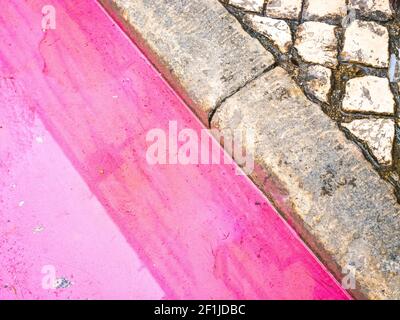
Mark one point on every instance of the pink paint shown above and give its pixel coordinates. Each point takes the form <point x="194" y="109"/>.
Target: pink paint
<point x="49" y="217"/>
<point x="200" y="232"/>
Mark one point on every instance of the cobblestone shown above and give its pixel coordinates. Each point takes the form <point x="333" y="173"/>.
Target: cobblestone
<point x="369" y="94"/>
<point x="283" y="9"/>
<point x="378" y="134"/>
<point x="318" y="82"/>
<point x="316" y="42"/>
<point x="345" y="54"/>
<point x="367" y="43"/>
<point x="378" y="9"/>
<point x="317" y="9"/>
<point x="248" y="5"/>
<point x="278" y="31"/>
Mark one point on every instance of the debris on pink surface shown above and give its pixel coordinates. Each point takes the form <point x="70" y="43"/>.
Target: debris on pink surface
<point x="79" y="201"/>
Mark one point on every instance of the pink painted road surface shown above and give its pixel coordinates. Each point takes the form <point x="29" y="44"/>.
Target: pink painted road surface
<point x="80" y="207"/>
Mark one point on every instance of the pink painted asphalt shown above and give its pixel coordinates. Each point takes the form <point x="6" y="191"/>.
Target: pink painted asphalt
<point x="77" y="195"/>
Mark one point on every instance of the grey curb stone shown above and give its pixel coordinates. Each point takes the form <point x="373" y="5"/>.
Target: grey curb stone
<point x="319" y="181"/>
<point x="198" y="46"/>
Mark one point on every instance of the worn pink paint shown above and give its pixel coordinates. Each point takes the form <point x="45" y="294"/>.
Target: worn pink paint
<point x="200" y="230"/>
<point x="48" y="217"/>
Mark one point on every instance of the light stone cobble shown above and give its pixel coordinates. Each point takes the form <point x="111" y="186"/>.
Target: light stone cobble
<point x="318" y="82"/>
<point x="248" y="5"/>
<point x="367" y="43"/>
<point x="372" y="8"/>
<point x="317" y="9"/>
<point x="378" y="134"/>
<point x="278" y="31"/>
<point x="316" y="42"/>
<point x="283" y="9"/>
<point x="369" y="94"/>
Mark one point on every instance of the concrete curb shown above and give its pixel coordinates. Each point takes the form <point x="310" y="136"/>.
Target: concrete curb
<point x="200" y="48"/>
<point x="318" y="180"/>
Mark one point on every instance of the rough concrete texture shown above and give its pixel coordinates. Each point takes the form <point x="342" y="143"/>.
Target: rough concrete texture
<point x="319" y="181"/>
<point x="201" y="49"/>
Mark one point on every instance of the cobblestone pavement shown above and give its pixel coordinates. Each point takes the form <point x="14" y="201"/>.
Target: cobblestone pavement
<point x="345" y="55"/>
